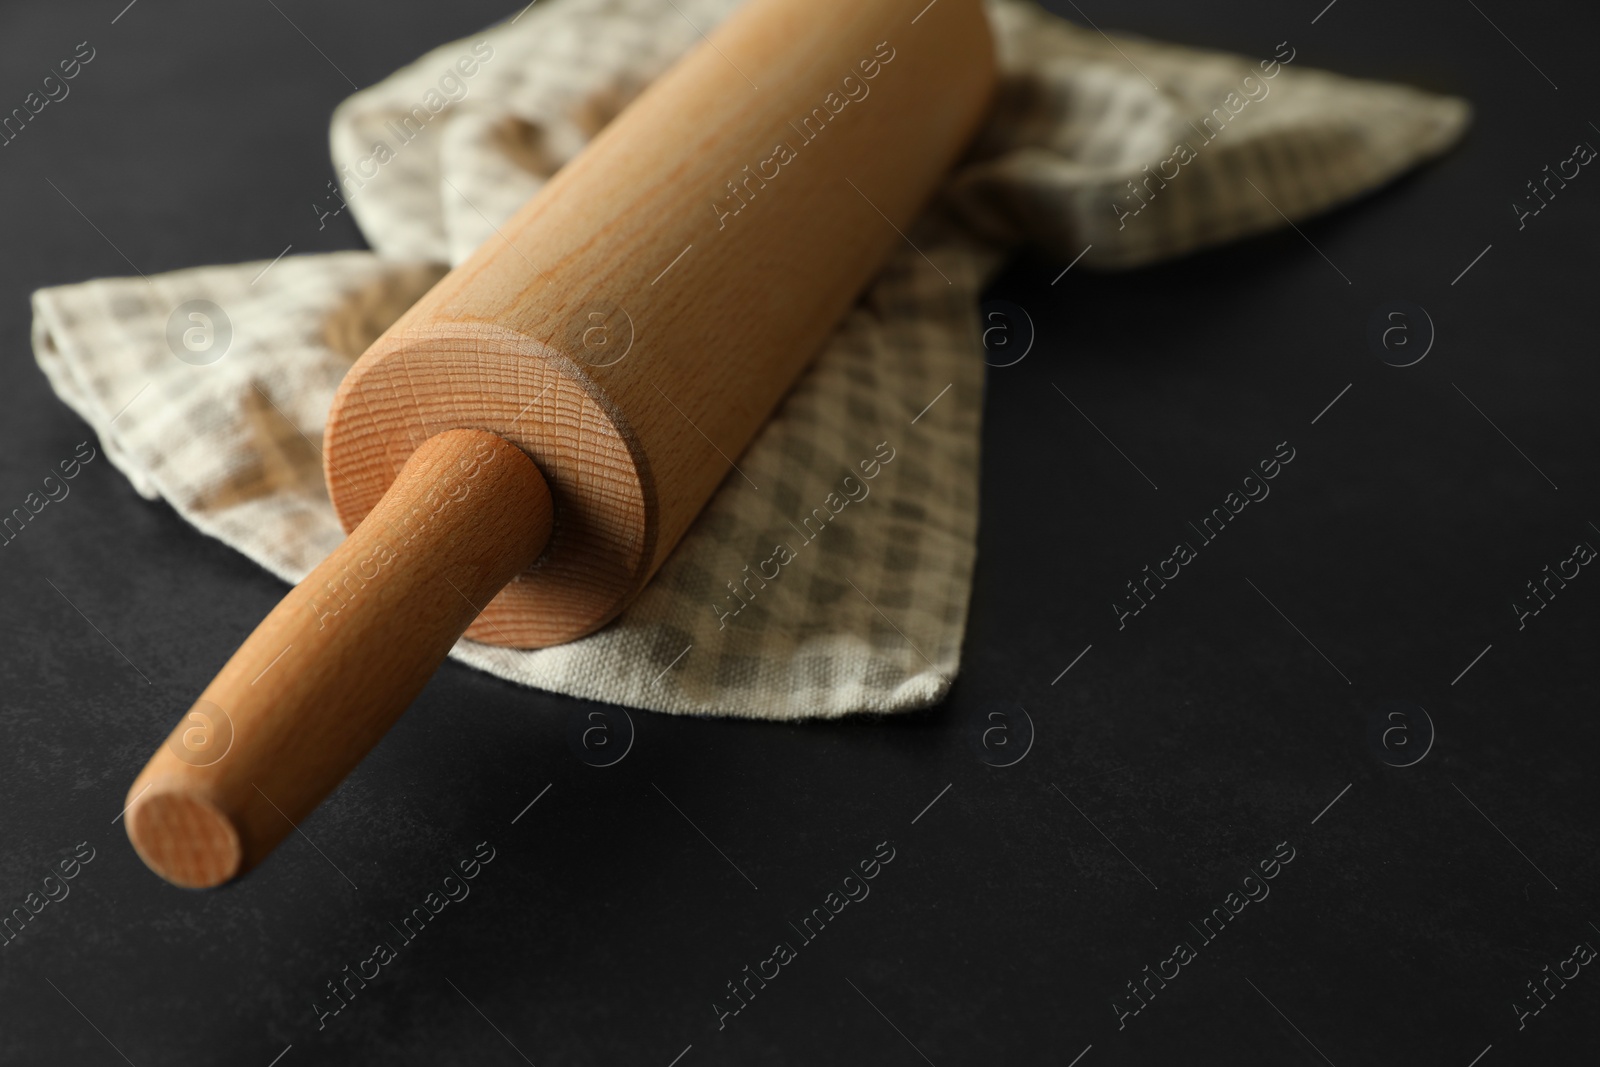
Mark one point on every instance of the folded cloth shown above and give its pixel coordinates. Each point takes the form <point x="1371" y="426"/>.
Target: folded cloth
<point x="209" y="387"/>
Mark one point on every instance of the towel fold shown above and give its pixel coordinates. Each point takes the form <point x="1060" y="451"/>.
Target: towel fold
<point x="209" y="387"/>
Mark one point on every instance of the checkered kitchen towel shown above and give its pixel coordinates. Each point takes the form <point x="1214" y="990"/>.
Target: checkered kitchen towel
<point x="1139" y="150"/>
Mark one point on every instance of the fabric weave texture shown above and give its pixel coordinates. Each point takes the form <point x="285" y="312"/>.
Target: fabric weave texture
<point x="1105" y="151"/>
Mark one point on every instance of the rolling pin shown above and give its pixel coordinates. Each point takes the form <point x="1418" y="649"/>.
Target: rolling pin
<point x="518" y="453"/>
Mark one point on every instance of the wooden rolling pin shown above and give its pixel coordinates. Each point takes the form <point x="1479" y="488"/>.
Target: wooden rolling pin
<point x="515" y="457"/>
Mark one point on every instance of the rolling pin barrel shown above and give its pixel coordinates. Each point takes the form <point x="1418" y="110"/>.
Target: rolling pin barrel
<point x="603" y="353"/>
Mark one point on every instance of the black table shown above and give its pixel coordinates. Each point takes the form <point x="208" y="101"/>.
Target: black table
<point x="1251" y="719"/>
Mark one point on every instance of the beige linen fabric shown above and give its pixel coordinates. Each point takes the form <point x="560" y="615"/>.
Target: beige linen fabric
<point x="868" y="607"/>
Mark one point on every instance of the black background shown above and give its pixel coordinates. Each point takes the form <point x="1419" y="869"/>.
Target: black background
<point x="1196" y="739"/>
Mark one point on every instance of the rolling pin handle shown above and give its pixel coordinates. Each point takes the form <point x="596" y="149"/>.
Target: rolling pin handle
<point x="331" y="668"/>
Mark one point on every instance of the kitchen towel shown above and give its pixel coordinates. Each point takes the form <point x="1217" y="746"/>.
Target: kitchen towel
<point x="209" y="387"/>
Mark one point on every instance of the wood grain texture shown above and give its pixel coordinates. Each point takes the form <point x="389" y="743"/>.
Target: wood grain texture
<point x="330" y="669"/>
<point x="715" y="233"/>
<point x="723" y="307"/>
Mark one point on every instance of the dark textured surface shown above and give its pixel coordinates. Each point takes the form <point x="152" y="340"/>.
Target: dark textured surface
<point x="1196" y="739"/>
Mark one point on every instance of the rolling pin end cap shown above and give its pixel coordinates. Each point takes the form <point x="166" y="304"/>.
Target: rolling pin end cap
<point x="184" y="839"/>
